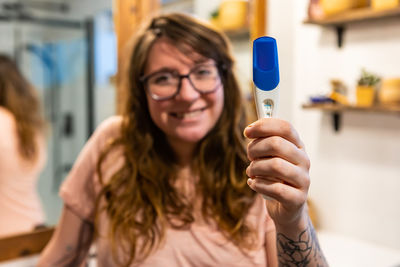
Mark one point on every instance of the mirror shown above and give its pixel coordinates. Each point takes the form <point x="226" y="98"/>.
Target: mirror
<point x="67" y="51"/>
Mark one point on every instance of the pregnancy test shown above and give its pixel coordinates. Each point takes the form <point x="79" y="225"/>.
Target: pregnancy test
<point x="266" y="76"/>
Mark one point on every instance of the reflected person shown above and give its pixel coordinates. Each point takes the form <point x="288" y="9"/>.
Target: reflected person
<point x="22" y="151"/>
<point x="166" y="183"/>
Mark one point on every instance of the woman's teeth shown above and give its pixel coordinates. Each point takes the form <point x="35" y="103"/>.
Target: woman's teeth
<point x="187" y="115"/>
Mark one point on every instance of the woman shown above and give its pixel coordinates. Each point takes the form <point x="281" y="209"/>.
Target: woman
<point x="22" y="151"/>
<point x="165" y="183"/>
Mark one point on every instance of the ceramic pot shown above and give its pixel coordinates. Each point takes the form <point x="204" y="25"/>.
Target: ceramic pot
<point x="365" y="95"/>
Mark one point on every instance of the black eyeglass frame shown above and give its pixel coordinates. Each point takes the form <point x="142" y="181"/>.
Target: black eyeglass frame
<point x="144" y="80"/>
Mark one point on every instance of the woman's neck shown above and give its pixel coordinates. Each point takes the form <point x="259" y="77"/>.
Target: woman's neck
<point x="183" y="151"/>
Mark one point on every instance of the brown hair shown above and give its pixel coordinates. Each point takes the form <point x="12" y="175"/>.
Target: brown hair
<point x="140" y="199"/>
<point x="19" y="97"/>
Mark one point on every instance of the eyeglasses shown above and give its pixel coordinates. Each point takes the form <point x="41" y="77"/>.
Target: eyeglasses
<point x="166" y="84"/>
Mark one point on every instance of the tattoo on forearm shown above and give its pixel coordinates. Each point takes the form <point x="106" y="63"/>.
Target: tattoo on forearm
<point x="302" y="252"/>
<point x="74" y="255"/>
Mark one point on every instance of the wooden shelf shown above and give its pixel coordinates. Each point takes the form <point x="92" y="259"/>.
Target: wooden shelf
<point x="340" y="20"/>
<point x="24" y="244"/>
<point x="337" y="110"/>
<point x="356" y="15"/>
<point x="343" y="108"/>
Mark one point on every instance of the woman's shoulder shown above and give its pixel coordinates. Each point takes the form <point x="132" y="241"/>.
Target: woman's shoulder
<point x="107" y="131"/>
<point x="8" y="123"/>
<point x="110" y="127"/>
<point x="6" y="117"/>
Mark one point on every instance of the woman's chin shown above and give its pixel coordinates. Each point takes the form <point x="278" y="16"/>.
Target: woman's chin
<point x="192" y="137"/>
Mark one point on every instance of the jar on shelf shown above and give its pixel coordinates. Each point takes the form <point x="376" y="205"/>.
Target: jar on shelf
<point x="389" y="93"/>
<point x="233" y="14"/>
<point x="384" y="4"/>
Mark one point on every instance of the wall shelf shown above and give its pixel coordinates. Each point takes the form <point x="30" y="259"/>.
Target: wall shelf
<point x="340" y="20"/>
<point x="337" y="110"/>
<point x="342" y="108"/>
<point x="239" y="34"/>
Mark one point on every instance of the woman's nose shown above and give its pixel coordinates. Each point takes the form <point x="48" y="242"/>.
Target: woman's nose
<point x="187" y="91"/>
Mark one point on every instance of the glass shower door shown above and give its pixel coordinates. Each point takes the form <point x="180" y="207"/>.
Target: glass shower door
<point x="55" y="61"/>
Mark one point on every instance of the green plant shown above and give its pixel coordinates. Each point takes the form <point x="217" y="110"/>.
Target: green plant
<point x="368" y="79"/>
<point x="214" y="14"/>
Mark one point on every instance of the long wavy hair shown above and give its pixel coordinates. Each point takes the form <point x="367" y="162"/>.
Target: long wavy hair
<point x="19" y="97"/>
<point x="140" y="199"/>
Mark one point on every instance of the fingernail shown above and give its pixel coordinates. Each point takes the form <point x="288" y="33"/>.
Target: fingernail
<point x="249" y="181"/>
<point x="251" y="125"/>
<point x="246" y="129"/>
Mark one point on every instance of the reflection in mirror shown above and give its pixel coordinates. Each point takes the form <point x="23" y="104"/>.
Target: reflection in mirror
<point x="22" y="151"/>
<point x="66" y="49"/>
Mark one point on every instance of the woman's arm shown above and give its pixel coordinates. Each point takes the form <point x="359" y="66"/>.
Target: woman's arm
<point x="279" y="169"/>
<point x="69" y="243"/>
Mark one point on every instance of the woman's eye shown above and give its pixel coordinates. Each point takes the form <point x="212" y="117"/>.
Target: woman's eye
<point x="161" y="79"/>
<point x="203" y="72"/>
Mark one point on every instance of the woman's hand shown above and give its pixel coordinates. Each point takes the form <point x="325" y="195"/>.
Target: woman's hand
<point x="279" y="170"/>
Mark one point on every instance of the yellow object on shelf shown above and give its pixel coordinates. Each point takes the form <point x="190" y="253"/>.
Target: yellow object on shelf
<point x="339" y="98"/>
<point x="384" y="4"/>
<point x="390" y="92"/>
<point x="365" y="95"/>
<point x="233" y="14"/>
<point x="332" y="7"/>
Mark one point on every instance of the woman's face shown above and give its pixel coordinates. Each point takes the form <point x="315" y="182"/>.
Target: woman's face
<point x="189" y="115"/>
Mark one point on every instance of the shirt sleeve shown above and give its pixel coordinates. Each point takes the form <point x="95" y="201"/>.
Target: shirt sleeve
<point x="81" y="187"/>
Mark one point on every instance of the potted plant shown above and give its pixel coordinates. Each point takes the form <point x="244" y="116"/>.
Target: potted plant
<point x="366" y="88"/>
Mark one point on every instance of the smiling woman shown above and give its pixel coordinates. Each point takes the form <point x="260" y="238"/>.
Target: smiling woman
<point x="165" y="182"/>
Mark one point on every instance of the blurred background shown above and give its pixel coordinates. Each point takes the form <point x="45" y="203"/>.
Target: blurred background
<point x="340" y="87"/>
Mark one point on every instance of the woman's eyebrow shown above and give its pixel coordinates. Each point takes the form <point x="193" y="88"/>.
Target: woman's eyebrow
<point x="164" y="69"/>
<point x="204" y="61"/>
<point x="174" y="70"/>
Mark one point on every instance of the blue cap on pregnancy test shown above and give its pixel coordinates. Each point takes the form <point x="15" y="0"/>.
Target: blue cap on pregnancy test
<point x="265" y="63"/>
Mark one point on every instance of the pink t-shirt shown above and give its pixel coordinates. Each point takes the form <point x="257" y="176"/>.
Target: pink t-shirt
<point x="200" y="245"/>
<point x="20" y="207"/>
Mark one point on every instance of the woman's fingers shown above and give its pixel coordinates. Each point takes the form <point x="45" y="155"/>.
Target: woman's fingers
<point x="280" y="169"/>
<point x="273" y="127"/>
<point x="276" y="146"/>
<point x="287" y="195"/>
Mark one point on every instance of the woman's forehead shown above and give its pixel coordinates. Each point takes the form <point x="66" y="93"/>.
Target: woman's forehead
<point x="166" y="51"/>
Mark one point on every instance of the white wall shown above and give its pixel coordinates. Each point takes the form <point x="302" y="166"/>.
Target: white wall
<point x="356" y="171"/>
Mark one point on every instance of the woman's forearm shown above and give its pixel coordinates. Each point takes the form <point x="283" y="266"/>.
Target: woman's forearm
<point x="299" y="247"/>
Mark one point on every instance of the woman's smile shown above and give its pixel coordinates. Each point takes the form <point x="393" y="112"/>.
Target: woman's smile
<point x="191" y="114"/>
